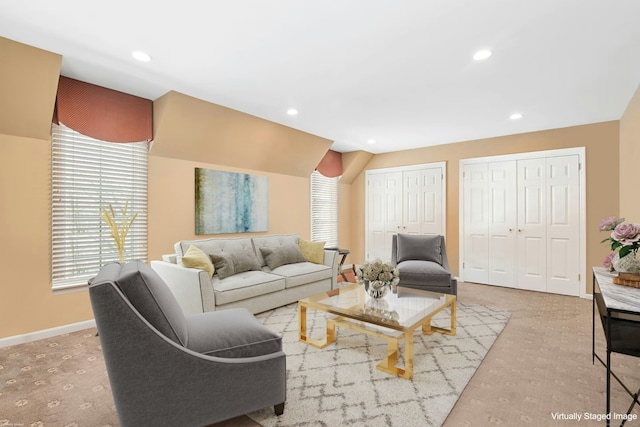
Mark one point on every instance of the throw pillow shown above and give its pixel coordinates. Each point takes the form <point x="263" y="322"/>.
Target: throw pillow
<point x="419" y="247"/>
<point x="281" y="255"/>
<point x="195" y="258"/>
<point x="312" y="251"/>
<point x="245" y="261"/>
<point x="233" y="263"/>
<point x="223" y="265"/>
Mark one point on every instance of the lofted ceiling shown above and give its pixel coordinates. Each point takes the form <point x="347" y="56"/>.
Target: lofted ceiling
<point x="400" y="73"/>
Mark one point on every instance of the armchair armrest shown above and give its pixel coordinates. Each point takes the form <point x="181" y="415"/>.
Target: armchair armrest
<point x="186" y="284"/>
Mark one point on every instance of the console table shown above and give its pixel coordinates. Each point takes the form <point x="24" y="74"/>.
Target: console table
<point x="619" y="311"/>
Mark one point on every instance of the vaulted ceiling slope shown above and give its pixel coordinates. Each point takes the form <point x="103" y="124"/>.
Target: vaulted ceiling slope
<point x="400" y="73"/>
<point x="28" y="84"/>
<point x="188" y="128"/>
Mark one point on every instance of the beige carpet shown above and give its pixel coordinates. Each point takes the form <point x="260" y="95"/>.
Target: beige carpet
<point x="540" y="365"/>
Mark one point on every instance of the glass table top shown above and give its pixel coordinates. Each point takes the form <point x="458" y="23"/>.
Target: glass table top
<point x="400" y="311"/>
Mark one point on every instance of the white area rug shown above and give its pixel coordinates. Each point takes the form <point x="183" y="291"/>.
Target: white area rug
<point x="339" y="385"/>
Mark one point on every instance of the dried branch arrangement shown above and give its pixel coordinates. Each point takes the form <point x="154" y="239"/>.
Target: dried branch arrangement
<point x="119" y="230"/>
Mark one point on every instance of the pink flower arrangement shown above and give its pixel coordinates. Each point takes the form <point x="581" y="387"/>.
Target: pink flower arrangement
<point x="624" y="238"/>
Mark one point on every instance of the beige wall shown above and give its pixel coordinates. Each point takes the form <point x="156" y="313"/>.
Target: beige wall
<point x="629" y="159"/>
<point x="27" y="302"/>
<point x="600" y="140"/>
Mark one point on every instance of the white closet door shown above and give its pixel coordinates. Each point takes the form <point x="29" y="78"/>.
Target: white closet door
<point x="476" y="223"/>
<point x="403" y="200"/>
<point x="502" y="223"/>
<point x="432" y="221"/>
<point x="376" y="216"/>
<point x="393" y="208"/>
<point x="413" y="200"/>
<point x="532" y="239"/>
<point x="563" y="220"/>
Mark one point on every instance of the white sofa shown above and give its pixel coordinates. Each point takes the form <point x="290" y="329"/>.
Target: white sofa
<point x="257" y="291"/>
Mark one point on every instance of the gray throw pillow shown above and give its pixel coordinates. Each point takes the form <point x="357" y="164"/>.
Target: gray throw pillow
<point x="233" y="263"/>
<point x="222" y="265"/>
<point x="419" y="247"/>
<point x="281" y="255"/>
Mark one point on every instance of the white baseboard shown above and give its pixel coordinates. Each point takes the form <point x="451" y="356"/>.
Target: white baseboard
<point x="46" y="333"/>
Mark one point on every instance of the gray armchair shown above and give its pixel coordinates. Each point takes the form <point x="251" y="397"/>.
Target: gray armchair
<point x="168" y="369"/>
<point x="422" y="262"/>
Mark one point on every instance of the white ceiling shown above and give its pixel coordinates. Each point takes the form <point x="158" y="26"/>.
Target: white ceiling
<point x="400" y="72"/>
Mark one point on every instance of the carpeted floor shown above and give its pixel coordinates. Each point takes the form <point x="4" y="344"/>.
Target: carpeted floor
<point x="539" y="366"/>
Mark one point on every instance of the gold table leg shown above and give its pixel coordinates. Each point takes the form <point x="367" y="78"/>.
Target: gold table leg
<point x="388" y="364"/>
<point x="427" y="329"/>
<point x="302" y="328"/>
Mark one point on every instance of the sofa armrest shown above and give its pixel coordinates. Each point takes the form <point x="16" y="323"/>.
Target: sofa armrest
<point x="185" y="283"/>
<point x="170" y="258"/>
<point x="331" y="259"/>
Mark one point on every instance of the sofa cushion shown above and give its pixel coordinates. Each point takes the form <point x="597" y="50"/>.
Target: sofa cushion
<point x="245" y="285"/>
<point x="195" y="258"/>
<point x="419" y="247"/>
<point x="148" y="294"/>
<point x="231" y="333"/>
<point x="417" y="272"/>
<point x="313" y="251"/>
<point x="275" y="257"/>
<point x="232" y="263"/>
<point x="272" y="241"/>
<point x="302" y="273"/>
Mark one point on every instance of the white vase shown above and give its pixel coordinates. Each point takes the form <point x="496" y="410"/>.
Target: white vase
<point x="627" y="264"/>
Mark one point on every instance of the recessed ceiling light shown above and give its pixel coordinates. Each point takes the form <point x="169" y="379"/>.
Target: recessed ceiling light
<point x="292" y="112"/>
<point x="515" y="116"/>
<point x="482" y="54"/>
<point x="371" y="141"/>
<point x="141" y="56"/>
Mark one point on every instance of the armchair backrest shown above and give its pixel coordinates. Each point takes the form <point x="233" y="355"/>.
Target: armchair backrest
<point x="419" y="247"/>
<point x="148" y="294"/>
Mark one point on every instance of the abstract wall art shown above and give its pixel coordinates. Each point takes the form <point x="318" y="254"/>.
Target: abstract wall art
<point x="229" y="202"/>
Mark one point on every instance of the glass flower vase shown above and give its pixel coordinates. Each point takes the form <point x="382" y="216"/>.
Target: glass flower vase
<point x="377" y="288"/>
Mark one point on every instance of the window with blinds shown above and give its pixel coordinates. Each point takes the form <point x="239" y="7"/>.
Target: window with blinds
<point x="324" y="209"/>
<point x="86" y="175"/>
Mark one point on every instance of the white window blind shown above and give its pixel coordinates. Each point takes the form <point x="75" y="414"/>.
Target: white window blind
<point x="87" y="174"/>
<point x="324" y="209"/>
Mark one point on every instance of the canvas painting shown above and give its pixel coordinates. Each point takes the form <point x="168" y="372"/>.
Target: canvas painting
<point x="229" y="202"/>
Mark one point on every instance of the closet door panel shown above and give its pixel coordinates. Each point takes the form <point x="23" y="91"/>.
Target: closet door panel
<point x="476" y="223"/>
<point x="502" y="223"/>
<point x="532" y="239"/>
<point x="412" y="202"/>
<point x="376" y="216"/>
<point x="432" y="201"/>
<point x="563" y="225"/>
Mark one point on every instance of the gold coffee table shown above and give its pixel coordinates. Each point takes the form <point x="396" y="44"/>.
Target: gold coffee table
<point x="394" y="317"/>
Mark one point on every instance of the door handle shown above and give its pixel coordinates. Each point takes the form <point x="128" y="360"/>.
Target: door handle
<point x="519" y="230"/>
